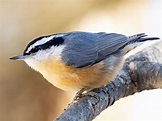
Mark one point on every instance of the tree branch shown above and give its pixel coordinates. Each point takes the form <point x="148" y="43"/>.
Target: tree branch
<point x="141" y="71"/>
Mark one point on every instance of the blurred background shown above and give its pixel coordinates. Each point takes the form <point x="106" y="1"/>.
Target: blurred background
<point x="26" y="96"/>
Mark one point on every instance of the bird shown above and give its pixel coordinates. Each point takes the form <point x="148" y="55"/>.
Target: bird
<point x="79" y="61"/>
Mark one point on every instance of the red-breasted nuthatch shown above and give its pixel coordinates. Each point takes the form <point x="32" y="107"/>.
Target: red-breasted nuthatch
<point x="79" y="60"/>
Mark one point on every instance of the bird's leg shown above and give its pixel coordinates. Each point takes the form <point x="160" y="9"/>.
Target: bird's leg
<point x="80" y="93"/>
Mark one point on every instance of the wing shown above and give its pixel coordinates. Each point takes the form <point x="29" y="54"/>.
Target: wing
<point x="84" y="49"/>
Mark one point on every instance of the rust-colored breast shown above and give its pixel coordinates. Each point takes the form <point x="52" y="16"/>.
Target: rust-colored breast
<point x="73" y="79"/>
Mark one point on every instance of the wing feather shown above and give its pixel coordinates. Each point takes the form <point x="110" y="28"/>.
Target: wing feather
<point x="85" y="49"/>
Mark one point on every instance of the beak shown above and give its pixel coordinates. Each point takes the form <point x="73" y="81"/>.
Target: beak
<point x="19" y="57"/>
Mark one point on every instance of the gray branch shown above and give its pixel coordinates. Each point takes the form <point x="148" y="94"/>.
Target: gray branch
<point x="141" y="71"/>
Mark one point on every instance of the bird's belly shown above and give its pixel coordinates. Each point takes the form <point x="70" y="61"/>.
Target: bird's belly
<point x="73" y="79"/>
<point x="65" y="82"/>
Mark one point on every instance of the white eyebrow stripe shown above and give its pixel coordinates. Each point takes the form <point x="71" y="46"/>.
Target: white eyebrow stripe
<point x="43" y="41"/>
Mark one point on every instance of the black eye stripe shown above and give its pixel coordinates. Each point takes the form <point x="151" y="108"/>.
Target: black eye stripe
<point x="53" y="42"/>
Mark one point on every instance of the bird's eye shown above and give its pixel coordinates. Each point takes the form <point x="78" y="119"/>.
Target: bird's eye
<point x="25" y="53"/>
<point x="32" y="51"/>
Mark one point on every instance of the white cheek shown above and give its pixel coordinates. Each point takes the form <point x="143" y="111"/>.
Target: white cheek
<point x="31" y="62"/>
<point x="53" y="53"/>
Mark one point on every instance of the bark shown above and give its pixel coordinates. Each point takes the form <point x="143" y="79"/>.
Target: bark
<point x="141" y="71"/>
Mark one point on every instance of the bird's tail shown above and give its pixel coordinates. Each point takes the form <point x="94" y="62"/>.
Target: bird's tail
<point x="141" y="38"/>
<point x="137" y="40"/>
